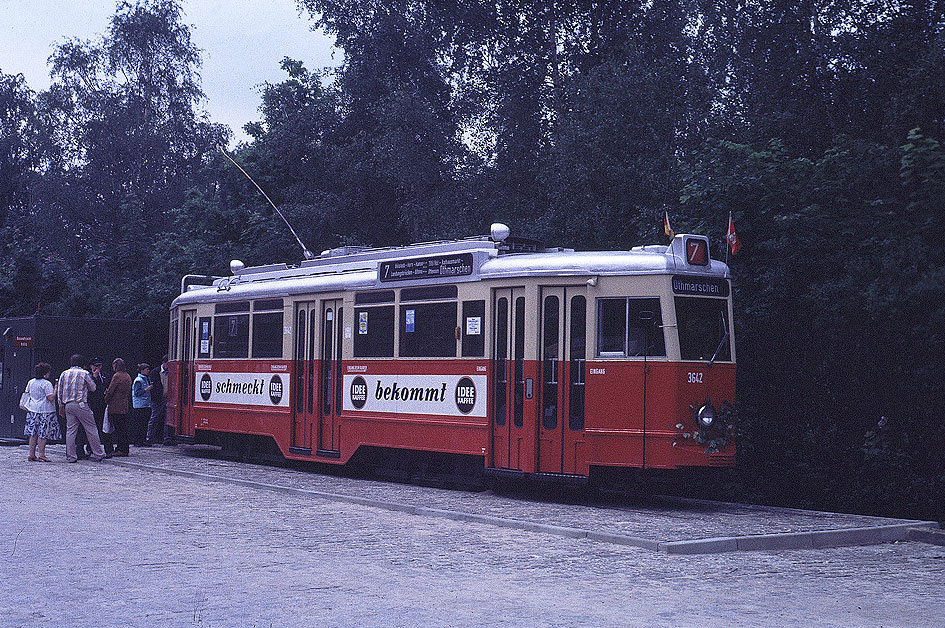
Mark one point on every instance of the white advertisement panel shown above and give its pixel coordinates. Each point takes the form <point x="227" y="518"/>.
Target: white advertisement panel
<point x="448" y="395"/>
<point x="248" y="389"/>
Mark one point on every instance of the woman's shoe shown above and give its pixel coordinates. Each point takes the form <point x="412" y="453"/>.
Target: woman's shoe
<point x="32" y="458"/>
<point x="43" y="459"/>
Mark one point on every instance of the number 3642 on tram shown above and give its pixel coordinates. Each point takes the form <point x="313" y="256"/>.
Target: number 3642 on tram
<point x="496" y="350"/>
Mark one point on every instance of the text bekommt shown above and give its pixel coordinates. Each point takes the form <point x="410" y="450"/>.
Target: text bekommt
<point x="404" y="393"/>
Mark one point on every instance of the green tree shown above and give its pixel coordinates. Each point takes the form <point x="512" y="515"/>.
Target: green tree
<point x="19" y="156"/>
<point x="396" y="146"/>
<point x="838" y="297"/>
<point x="136" y="137"/>
<point x="290" y="156"/>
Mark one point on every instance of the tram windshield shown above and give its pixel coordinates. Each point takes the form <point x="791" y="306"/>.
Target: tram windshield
<point x="703" y="329"/>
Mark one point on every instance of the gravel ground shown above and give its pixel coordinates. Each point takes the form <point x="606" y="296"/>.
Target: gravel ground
<point x="102" y="544"/>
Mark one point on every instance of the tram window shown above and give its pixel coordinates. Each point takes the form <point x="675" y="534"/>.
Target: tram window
<point x="312" y="332"/>
<point x="381" y="296"/>
<point x="612" y="327"/>
<point x="625" y="325"/>
<point x="203" y="337"/>
<point x="173" y="351"/>
<point x="703" y="329"/>
<point x="428" y="330"/>
<point x="550" y="357"/>
<point x="578" y="333"/>
<point x="300" y="359"/>
<point x="231" y="336"/>
<point x="339" y="376"/>
<point x="267" y="304"/>
<point x="644" y="321"/>
<point x="267" y="335"/>
<point x="374" y="333"/>
<point x="186" y="356"/>
<point x="474" y="339"/>
<point x="428" y="293"/>
<point x="501" y="360"/>
<point x="519" y="356"/>
<point x="228" y="308"/>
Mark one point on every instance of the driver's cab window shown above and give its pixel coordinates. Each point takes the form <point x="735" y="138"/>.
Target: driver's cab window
<point x="629" y="327"/>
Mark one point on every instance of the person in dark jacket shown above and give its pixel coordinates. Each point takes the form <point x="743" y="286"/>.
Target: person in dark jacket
<point x="97" y="403"/>
<point x="158" y="379"/>
<point x="116" y="396"/>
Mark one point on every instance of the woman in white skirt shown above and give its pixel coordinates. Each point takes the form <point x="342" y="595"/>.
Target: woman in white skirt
<point x="42" y="424"/>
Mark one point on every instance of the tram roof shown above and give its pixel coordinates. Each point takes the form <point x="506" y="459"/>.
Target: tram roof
<point x="472" y="260"/>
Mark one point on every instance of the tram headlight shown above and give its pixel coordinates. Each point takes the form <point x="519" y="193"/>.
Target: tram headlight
<point x="706" y="416"/>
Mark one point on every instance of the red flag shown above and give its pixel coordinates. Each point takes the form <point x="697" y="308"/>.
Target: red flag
<point x="666" y="228"/>
<point x="732" y="237"/>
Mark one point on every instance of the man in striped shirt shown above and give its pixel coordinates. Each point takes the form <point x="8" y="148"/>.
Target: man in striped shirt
<point x="73" y="392"/>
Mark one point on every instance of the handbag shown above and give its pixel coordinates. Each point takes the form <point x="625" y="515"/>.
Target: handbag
<point x="25" y="397"/>
<point x="107" y="426"/>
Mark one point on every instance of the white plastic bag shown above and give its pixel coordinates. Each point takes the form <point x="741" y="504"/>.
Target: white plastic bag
<point x="107" y="426"/>
<point x="25" y="397"/>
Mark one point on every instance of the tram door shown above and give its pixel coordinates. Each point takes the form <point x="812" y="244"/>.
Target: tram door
<point x="186" y="393"/>
<point x="508" y="367"/>
<point x="304" y="379"/>
<point x="330" y="389"/>
<point x="562" y="351"/>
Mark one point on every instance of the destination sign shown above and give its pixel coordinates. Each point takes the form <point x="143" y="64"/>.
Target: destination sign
<point x="417" y="268"/>
<point x="701" y="286"/>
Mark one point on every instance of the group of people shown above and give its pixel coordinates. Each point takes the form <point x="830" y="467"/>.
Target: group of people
<point x="113" y="412"/>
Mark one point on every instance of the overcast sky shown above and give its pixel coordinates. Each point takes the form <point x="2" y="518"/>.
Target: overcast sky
<point x="241" y="42"/>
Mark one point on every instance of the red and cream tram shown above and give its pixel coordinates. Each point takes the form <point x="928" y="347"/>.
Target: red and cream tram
<point x="526" y="359"/>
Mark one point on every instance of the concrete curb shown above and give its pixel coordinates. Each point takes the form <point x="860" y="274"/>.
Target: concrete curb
<point x="873" y="535"/>
<point x="761" y="542"/>
<point x="931" y="535"/>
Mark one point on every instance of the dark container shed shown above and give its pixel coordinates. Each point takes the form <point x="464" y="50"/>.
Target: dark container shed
<point x="54" y="339"/>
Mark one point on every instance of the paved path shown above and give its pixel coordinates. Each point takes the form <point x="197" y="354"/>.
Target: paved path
<point x="668" y="524"/>
<point x="113" y="545"/>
